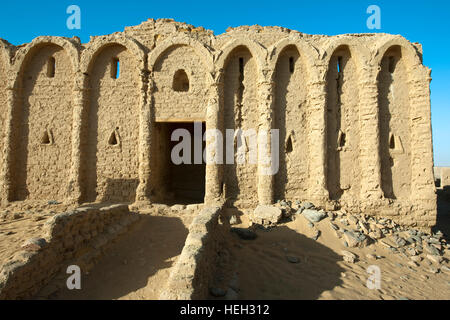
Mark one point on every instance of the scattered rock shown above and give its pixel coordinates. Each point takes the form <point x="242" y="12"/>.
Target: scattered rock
<point x="35" y="244"/>
<point x="245" y="234"/>
<point x="353" y="220"/>
<point x="307" y="205"/>
<point x="266" y="215"/>
<point x="433" y="270"/>
<point x="371" y="256"/>
<point x="330" y="215"/>
<point x="432" y="250"/>
<point x="355" y="239"/>
<point x="17" y="216"/>
<point x="348" y="256"/>
<point x="363" y="227"/>
<point x="412" y="251"/>
<point x="416" y="258"/>
<point x="400" y="242"/>
<point x="387" y="245"/>
<point x="376" y="234"/>
<point x="434" y="258"/>
<point x="333" y="226"/>
<point x="316" y="235"/>
<point x="293" y="259"/>
<point x="314" y="215"/>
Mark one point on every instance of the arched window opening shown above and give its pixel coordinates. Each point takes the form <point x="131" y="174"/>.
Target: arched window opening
<point x="392" y="64"/>
<point x="291" y="65"/>
<point x="115" y="68"/>
<point x="241" y="68"/>
<point x="51" y="67"/>
<point x="181" y="81"/>
<point x="339" y="65"/>
<point x="342" y="139"/>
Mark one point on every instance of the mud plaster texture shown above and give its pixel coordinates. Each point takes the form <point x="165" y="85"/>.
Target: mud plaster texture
<point x="80" y="122"/>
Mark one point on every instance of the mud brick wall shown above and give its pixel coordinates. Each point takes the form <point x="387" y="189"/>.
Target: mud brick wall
<point x="81" y="121"/>
<point x="192" y="273"/>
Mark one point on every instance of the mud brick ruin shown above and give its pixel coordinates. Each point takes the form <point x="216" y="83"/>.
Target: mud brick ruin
<point x="92" y="122"/>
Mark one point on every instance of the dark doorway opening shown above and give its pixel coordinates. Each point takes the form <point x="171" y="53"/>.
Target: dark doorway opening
<point x="181" y="183"/>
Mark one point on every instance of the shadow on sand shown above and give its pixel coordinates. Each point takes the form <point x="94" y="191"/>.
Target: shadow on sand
<point x="265" y="272"/>
<point x="138" y="255"/>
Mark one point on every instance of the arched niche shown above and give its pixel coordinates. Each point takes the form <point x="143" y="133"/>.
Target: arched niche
<point x="41" y="170"/>
<point x="111" y="159"/>
<point x="342" y="125"/>
<point x="290" y="118"/>
<point x="394" y="124"/>
<point x="240" y="80"/>
<point x="180" y="84"/>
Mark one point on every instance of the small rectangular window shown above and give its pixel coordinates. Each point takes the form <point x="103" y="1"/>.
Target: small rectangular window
<point x="392" y="64"/>
<point x="291" y="65"/>
<point x="115" y="68"/>
<point x="241" y="66"/>
<point x="339" y="65"/>
<point x="51" y="66"/>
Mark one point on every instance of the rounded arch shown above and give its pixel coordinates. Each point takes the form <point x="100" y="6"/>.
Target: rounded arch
<point x="360" y="53"/>
<point x="409" y="53"/>
<point x="24" y="54"/>
<point x="183" y="40"/>
<point x="40" y="127"/>
<point x="396" y="59"/>
<point x="307" y="52"/>
<point x="95" y="47"/>
<point x="258" y="52"/>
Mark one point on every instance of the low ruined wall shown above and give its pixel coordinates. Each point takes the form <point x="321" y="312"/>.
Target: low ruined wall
<point x="192" y="273"/>
<point x="72" y="238"/>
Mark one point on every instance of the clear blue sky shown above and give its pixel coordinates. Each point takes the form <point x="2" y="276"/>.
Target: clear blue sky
<point x="426" y="22"/>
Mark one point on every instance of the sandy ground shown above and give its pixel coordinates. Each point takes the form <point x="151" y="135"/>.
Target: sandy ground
<point x="138" y="265"/>
<point x="264" y="272"/>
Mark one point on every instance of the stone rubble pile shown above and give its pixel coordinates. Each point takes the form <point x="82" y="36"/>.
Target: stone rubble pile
<point x="359" y="231"/>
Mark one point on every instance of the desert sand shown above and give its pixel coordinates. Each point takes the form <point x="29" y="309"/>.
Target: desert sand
<point x="264" y="272"/>
<point x="283" y="262"/>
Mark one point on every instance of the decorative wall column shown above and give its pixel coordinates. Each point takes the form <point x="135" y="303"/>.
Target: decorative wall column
<point x="146" y="119"/>
<point x="369" y="135"/>
<point x="13" y="94"/>
<point x="422" y="179"/>
<point x="317" y="97"/>
<point x="214" y="121"/>
<point x="266" y="175"/>
<point x="80" y="111"/>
